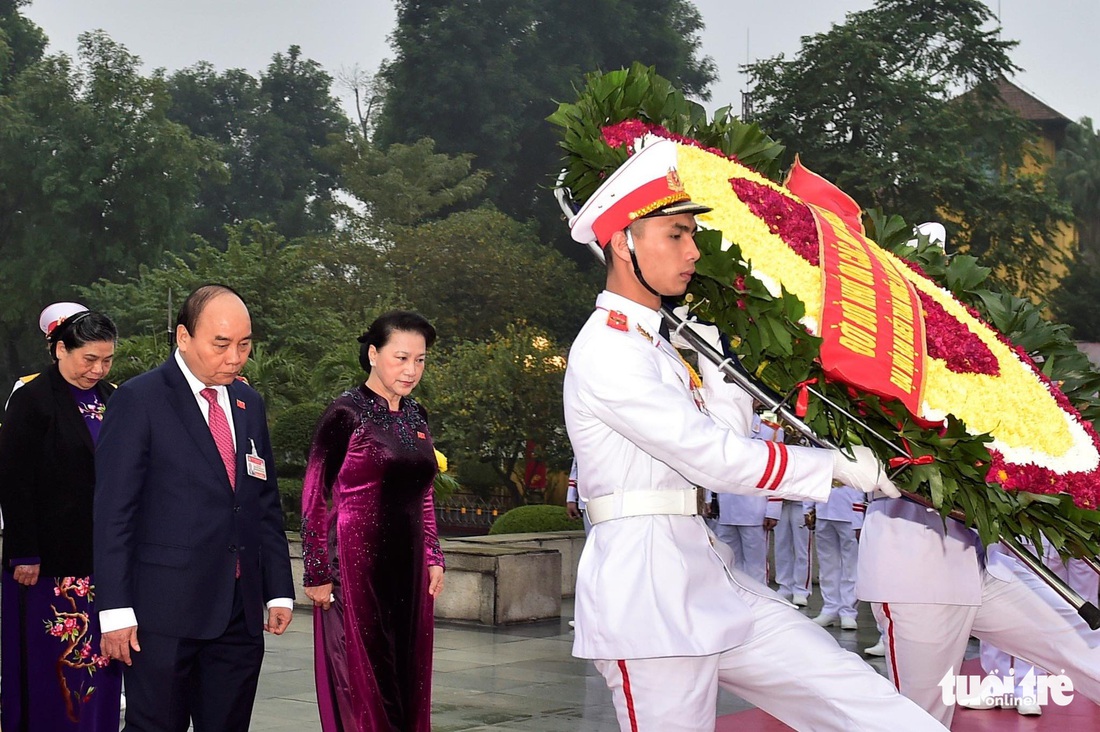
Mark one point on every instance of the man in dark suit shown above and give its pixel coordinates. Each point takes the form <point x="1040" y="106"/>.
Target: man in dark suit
<point x="189" y="540"/>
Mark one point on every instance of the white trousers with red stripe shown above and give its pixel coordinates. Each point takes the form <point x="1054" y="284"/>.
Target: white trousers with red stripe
<point x="793" y="568"/>
<point x="1024" y="617"/>
<point x="788" y="667"/>
<point x="1082" y="579"/>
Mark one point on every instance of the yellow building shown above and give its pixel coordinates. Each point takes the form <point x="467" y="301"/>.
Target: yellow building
<point x="1050" y="127"/>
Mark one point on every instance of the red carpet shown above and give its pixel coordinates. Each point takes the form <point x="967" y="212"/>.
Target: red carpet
<point x="1078" y="716"/>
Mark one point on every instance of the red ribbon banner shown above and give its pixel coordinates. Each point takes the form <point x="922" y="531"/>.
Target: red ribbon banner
<point x="872" y="323"/>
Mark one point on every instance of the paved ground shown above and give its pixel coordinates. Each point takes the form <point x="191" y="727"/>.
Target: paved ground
<point x="518" y="678"/>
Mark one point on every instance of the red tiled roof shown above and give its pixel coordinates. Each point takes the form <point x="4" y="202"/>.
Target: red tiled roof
<point x="1025" y="105"/>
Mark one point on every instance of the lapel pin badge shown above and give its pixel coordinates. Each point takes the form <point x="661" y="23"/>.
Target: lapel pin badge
<point x="240" y="404"/>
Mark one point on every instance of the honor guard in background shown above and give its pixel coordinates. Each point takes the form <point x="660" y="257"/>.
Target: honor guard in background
<point x="1085" y="582"/>
<point x="660" y="608"/>
<point x="932" y="586"/>
<point x="741" y="523"/>
<point x="785" y="519"/>
<point x="793" y="551"/>
<point x="574" y="504"/>
<point x="836" y="524"/>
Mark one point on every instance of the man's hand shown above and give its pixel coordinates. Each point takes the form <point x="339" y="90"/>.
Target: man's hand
<point x="572" y="510"/>
<point x="278" y="618"/>
<point x="770" y="523"/>
<point x="321" y="595"/>
<point x="864" y="473"/>
<point x="26" y="574"/>
<point x="809" y="519"/>
<point x="435" y="580"/>
<point x="117" y="644"/>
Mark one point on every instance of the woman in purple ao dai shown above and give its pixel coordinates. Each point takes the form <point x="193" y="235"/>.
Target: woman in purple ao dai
<point x="372" y="559"/>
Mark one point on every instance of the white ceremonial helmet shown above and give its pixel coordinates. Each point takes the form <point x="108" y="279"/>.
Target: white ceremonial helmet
<point x="647" y="184"/>
<point x="54" y="315"/>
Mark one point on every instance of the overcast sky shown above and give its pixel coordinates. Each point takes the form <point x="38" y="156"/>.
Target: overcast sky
<point x="1058" y="38"/>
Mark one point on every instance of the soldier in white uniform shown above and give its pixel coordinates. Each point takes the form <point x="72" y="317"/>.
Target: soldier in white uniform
<point x="740" y="525"/>
<point x="786" y="520"/>
<point x="574" y="504"/>
<point x="740" y="522"/>
<point x="794" y="568"/>
<point x="1084" y="581"/>
<point x="835" y="525"/>
<point x="660" y="609"/>
<point x="931" y="588"/>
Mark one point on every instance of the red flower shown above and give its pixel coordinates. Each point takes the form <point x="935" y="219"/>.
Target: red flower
<point x="627" y="131"/>
<point x="951" y="341"/>
<point x="787" y="218"/>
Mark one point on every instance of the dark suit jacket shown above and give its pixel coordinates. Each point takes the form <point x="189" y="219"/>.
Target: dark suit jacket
<point x="47" y="477"/>
<point x="169" y="528"/>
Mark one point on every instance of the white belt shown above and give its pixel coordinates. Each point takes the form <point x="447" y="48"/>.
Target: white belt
<point x="642" y="503"/>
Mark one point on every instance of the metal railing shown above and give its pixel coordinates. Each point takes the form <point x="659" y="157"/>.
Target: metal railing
<point x="468" y="514"/>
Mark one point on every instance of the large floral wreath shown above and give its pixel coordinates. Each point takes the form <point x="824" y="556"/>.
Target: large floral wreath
<point x="1002" y="431"/>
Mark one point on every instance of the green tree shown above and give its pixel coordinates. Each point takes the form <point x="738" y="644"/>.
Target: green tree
<point x="1077" y="175"/>
<point x="481" y="78"/>
<point x="471" y="272"/>
<point x="22" y="43"/>
<point x="478" y="272"/>
<point x="94" y="181"/>
<point x="874" y="105"/>
<point x="487" y="400"/>
<point x="272" y="132"/>
<point x="405" y="185"/>
<point x="295" y="322"/>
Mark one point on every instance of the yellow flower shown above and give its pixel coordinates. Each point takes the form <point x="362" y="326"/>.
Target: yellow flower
<point x="707" y="177"/>
<point x="441" y="461"/>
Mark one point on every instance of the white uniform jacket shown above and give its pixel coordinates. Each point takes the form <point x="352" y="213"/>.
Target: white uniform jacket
<point x="655" y="585"/>
<point x="739" y="510"/>
<point x="571" y="494"/>
<point x="735" y="509"/>
<point x="845" y="504"/>
<point x="907" y="555"/>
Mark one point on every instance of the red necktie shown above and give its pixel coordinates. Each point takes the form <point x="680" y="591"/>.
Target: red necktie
<point x="223" y="438"/>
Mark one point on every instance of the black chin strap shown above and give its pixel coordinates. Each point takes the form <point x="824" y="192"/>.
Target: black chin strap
<point x="637" y="269"/>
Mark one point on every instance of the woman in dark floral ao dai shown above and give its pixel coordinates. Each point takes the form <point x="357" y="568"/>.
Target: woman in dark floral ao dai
<point x="53" y="678"/>
<point x="372" y="559"/>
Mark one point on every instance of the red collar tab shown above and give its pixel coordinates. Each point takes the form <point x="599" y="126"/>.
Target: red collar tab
<point x="617" y="320"/>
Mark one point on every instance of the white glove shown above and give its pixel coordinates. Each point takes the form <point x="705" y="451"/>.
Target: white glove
<point x="865" y="473"/>
<point x="708" y="333"/>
